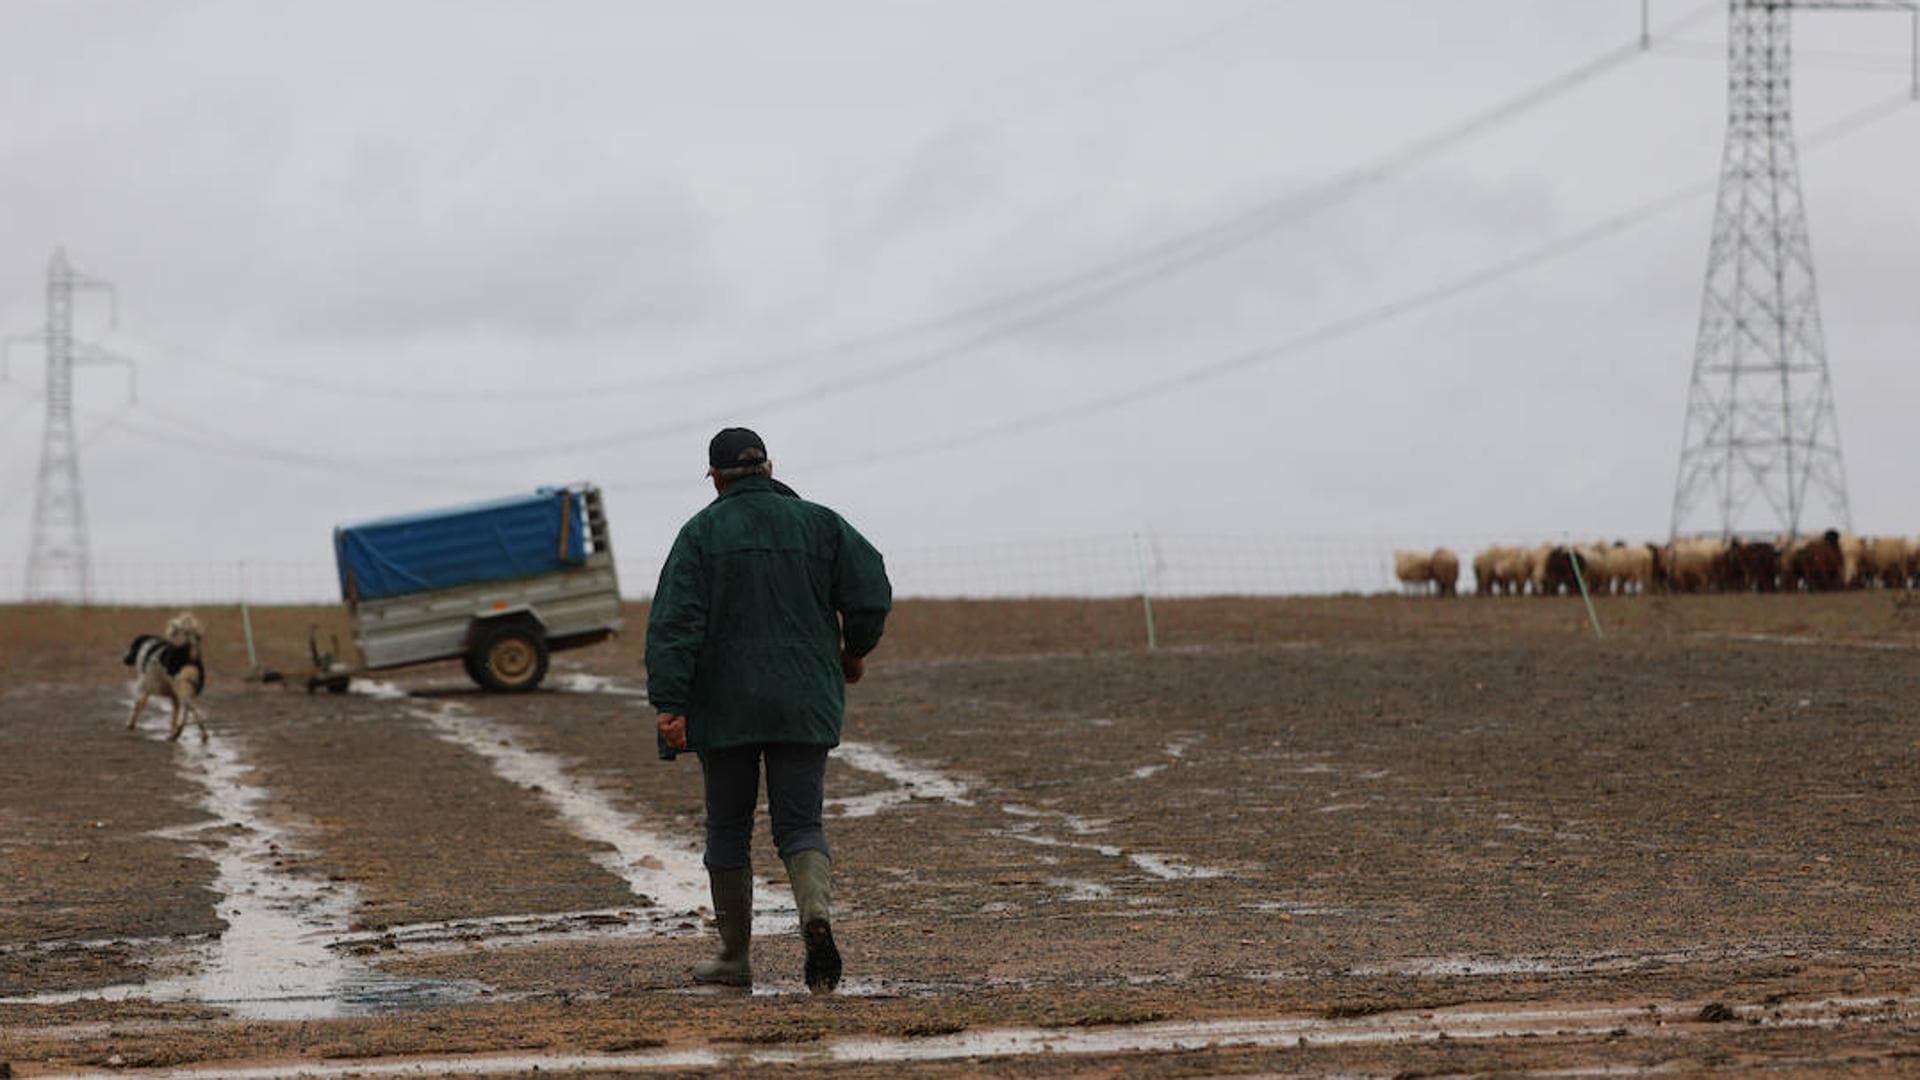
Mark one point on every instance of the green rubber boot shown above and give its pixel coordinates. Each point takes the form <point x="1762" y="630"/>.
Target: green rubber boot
<point x="811" y="873"/>
<point x="733" y="911"/>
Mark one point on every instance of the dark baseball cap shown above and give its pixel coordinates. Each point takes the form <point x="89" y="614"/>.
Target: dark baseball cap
<point x="733" y="448"/>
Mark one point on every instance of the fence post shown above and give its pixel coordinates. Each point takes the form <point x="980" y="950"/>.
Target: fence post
<point x="1146" y="597"/>
<point x="1593" y="617"/>
<point x="246" y="621"/>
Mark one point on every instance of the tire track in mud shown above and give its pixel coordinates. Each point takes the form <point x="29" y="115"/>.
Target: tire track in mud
<point x="274" y="958"/>
<point x="917" y="782"/>
<point x="428" y="831"/>
<point x="81" y="872"/>
<point x="665" y="874"/>
<point x="1570" y="1023"/>
<point x="293" y="936"/>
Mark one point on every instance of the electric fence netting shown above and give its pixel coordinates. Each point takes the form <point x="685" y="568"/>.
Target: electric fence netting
<point x="1169" y="565"/>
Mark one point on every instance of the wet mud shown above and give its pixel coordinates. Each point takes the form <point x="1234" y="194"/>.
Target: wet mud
<point x="1387" y="828"/>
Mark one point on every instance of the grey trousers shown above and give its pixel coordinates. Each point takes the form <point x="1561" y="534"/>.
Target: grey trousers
<point x="796" y="787"/>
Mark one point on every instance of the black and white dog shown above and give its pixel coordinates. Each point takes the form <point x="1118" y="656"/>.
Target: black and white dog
<point x="171" y="667"/>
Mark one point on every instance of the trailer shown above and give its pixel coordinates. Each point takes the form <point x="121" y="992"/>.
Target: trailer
<point x="497" y="585"/>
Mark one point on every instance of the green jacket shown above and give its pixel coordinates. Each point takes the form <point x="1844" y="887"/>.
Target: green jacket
<point x="761" y="592"/>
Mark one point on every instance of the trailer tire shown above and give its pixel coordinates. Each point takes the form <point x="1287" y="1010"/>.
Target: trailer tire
<point x="509" y="656"/>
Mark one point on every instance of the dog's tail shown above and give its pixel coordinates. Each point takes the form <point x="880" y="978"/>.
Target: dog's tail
<point x="133" y="651"/>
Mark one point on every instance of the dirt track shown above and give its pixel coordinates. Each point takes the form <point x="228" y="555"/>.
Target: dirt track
<point x="1365" y="815"/>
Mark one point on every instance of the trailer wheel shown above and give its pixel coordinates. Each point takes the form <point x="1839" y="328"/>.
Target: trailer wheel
<point x="510" y="656"/>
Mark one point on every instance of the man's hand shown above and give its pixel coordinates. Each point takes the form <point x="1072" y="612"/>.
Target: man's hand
<point x="852" y="666"/>
<point x="673" y="728"/>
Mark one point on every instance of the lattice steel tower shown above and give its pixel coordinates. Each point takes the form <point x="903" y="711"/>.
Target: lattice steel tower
<point x="1761" y="445"/>
<point x="59" y="565"/>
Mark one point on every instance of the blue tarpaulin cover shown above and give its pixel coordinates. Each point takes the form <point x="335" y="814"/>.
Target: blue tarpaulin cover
<point x="461" y="545"/>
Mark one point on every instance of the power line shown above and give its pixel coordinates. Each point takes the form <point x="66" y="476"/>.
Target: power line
<point x="1012" y="116"/>
<point x="216" y="443"/>
<point x="1012" y="313"/>
<point x="192" y="435"/>
<point x="1830" y="59"/>
<point x="18" y="490"/>
<point x="212" y="443"/>
<point x="1086" y="291"/>
<point x="1026" y="109"/>
<point x="1361" y="321"/>
<point x="27" y="402"/>
<point x="104" y="424"/>
<point x="1085" y="288"/>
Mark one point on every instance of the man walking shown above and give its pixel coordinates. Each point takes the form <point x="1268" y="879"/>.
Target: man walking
<point x="767" y="605"/>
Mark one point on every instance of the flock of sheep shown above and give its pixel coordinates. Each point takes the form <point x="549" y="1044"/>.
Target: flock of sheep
<point x="1812" y="564"/>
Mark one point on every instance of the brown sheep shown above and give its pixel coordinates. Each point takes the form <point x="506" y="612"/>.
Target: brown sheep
<point x="1444" y="566"/>
<point x="1753" y="566"/>
<point x="1483" y="570"/>
<point x="1556" y="573"/>
<point x="1819" y="565"/>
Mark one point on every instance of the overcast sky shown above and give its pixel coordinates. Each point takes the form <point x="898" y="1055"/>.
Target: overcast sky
<point x="375" y="257"/>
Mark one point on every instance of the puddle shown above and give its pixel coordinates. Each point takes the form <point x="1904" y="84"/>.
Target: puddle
<point x="1168" y="868"/>
<point x="1074" y="823"/>
<point x="914" y="781"/>
<point x="918" y="782"/>
<point x="54" y="945"/>
<point x="579" y="682"/>
<point x="1453" y="966"/>
<point x="1291" y="907"/>
<point x="1812" y="642"/>
<point x="375" y="688"/>
<point x="535" y="928"/>
<point x="1164" y="867"/>
<point x="1177" y="750"/>
<point x="1483" y="1024"/>
<point x="1535" y="830"/>
<point x="274" y="960"/>
<point x="1111" y="851"/>
<point x="1081" y="891"/>
<point x="764" y="987"/>
<point x="666" y="872"/>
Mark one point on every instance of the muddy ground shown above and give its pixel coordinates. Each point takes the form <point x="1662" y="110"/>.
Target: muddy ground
<point x="1402" y="824"/>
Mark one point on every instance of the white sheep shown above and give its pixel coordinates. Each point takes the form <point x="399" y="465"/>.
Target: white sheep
<point x="1890" y="557"/>
<point x="1413" y="568"/>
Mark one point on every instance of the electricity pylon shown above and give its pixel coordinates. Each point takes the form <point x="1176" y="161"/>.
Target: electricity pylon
<point x="1760" y="450"/>
<point x="59" y="563"/>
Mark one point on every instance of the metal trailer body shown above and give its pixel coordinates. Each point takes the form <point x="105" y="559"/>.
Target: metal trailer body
<point x="497" y="585"/>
